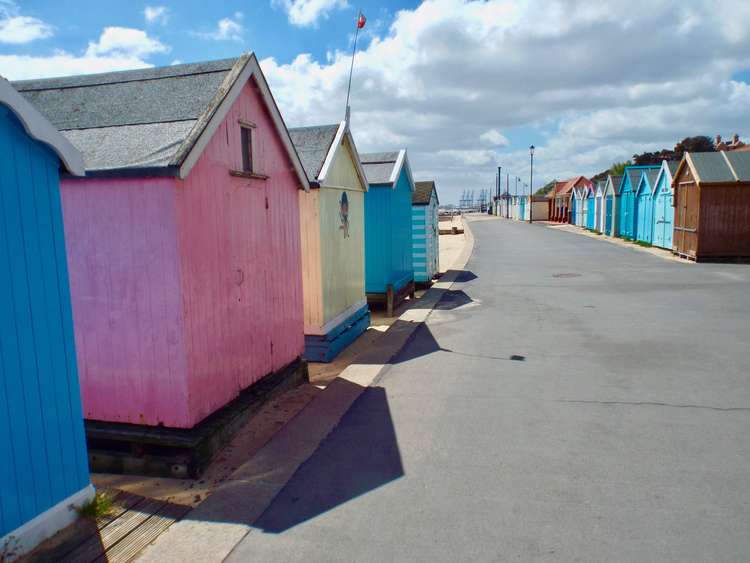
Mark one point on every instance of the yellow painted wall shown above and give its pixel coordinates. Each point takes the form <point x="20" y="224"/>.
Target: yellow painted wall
<point x="310" y="243"/>
<point x="342" y="257"/>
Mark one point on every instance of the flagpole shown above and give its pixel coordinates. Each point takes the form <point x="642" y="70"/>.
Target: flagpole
<point x="351" y="68"/>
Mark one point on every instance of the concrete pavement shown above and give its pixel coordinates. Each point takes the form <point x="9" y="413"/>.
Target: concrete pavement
<point x="576" y="401"/>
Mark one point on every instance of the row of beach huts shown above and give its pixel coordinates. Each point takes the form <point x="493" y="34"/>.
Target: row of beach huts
<point x="699" y="207"/>
<point x="167" y="243"/>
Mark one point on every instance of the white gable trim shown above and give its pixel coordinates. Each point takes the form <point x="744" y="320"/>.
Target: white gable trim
<point x="38" y="127"/>
<point x="343" y="133"/>
<point x="250" y="69"/>
<point x="401" y="161"/>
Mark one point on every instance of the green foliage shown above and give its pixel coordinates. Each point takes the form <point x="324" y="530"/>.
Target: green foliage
<point x="642" y="243"/>
<point x="547" y="188"/>
<point x="618" y="168"/>
<point x="97" y="507"/>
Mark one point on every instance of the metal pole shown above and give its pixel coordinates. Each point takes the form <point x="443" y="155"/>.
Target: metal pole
<point x="531" y="186"/>
<point x="351" y="68"/>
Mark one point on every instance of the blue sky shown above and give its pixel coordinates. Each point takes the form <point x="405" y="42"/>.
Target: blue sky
<point x="464" y="85"/>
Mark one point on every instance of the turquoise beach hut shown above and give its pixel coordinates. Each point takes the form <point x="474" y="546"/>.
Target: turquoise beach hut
<point x="663" y="210"/>
<point x="43" y="462"/>
<point x="591" y="208"/>
<point x="644" y="212"/>
<point x="626" y="204"/>
<point x="609" y="204"/>
<point x="389" y="266"/>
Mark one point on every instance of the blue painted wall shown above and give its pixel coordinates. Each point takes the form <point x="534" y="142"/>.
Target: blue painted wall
<point x="42" y="445"/>
<point x="388" y="251"/>
<point x="626" y="204"/>
<point x="644" y="213"/>
<point x="663" y="214"/>
<point x="425" y="243"/>
<point x="608" y="204"/>
<point x="591" y="211"/>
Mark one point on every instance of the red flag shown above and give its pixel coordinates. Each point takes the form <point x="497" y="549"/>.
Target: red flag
<point x="361" y="21"/>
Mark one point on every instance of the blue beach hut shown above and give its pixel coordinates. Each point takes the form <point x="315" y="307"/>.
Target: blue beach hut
<point x="389" y="268"/>
<point x="43" y="461"/>
<point x="609" y="204"/>
<point x="644" y="219"/>
<point x="591" y="208"/>
<point x="626" y="204"/>
<point x="424" y="224"/>
<point x="663" y="210"/>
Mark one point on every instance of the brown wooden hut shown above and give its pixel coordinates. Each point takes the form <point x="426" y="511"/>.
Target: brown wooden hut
<point x="712" y="206"/>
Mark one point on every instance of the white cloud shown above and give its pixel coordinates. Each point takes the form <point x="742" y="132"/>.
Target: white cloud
<point x="307" y="12"/>
<point x="586" y="83"/>
<point x="156" y="14"/>
<point x="227" y="29"/>
<point x="16" y="29"/>
<point x="125" y="41"/>
<point x="117" y="48"/>
<point x="494" y="137"/>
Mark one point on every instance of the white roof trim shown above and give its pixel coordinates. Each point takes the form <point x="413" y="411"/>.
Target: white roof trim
<point x="251" y="69"/>
<point x="662" y="172"/>
<point x="731" y="168"/>
<point x="38" y="127"/>
<point x="397" y="166"/>
<point x="343" y="133"/>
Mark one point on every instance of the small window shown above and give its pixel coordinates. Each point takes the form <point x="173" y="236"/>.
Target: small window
<point x="247" y="149"/>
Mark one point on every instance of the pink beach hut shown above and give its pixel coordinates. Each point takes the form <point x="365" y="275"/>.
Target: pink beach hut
<point x="183" y="239"/>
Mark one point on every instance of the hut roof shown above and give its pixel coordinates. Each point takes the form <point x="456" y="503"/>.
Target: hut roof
<point x="39" y="128"/>
<point x="157" y="120"/>
<point x="423" y="192"/>
<point x="711" y="167"/>
<point x="649" y="176"/>
<point x="380" y="166"/>
<point x="317" y="146"/>
<point x="313" y="144"/>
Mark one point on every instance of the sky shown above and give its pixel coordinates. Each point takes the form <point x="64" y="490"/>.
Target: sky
<point x="464" y="85"/>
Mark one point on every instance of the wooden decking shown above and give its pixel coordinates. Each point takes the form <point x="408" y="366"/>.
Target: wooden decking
<point x="134" y="522"/>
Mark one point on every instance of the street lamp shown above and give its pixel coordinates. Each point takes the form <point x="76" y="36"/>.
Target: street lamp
<point x="531" y="184"/>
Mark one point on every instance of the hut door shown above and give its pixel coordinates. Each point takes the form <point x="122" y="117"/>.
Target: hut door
<point x="686" y="219"/>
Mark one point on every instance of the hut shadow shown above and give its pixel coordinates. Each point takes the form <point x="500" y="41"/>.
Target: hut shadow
<point x="453" y="299"/>
<point x="359" y="456"/>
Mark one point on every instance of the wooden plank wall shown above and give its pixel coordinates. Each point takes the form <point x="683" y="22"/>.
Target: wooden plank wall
<point x="42" y="448"/>
<point x="240" y="261"/>
<point x="127" y="300"/>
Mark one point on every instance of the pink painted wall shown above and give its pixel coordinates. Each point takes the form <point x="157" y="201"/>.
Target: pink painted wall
<point x="241" y="269"/>
<point x="186" y="292"/>
<point x="121" y="242"/>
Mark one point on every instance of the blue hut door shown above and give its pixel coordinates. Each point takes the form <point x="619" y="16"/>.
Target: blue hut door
<point x="608" y="216"/>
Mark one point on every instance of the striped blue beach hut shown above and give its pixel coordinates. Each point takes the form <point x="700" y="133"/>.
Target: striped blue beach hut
<point x="424" y="231"/>
<point x="389" y="268"/>
<point x="663" y="211"/>
<point x="644" y="211"/>
<point x="43" y="461"/>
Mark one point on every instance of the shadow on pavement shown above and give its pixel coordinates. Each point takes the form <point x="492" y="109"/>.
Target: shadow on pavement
<point x="360" y="455"/>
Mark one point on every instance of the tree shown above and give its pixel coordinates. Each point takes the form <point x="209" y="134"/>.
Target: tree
<point x="701" y="143"/>
<point x="618" y="168"/>
<point x="546" y="188"/>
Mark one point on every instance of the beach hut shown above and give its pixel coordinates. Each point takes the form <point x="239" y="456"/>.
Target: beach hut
<point x="521" y="207"/>
<point x="43" y="466"/>
<point x="712" y="206"/>
<point x="424" y="228"/>
<point x="576" y="207"/>
<point x="644" y="211"/>
<point x="183" y="247"/>
<point x="663" y="211"/>
<point x="599" y="204"/>
<point x="538" y="207"/>
<point x="609" y="204"/>
<point x="389" y="269"/>
<point x="626" y="203"/>
<point x="332" y="219"/>
<point x="591" y="207"/>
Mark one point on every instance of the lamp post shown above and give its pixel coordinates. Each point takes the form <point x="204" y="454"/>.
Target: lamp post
<point x="531" y="185"/>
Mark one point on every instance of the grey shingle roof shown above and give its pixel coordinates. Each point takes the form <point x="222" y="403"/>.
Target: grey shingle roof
<point x="651" y="176"/>
<point x="313" y="144"/>
<point x="379" y="166"/>
<point x="673" y="165"/>
<point x="423" y="192"/>
<point x="130" y="119"/>
<point x="740" y="161"/>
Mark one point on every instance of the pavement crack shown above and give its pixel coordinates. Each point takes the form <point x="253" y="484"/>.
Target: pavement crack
<point x="654" y="404"/>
